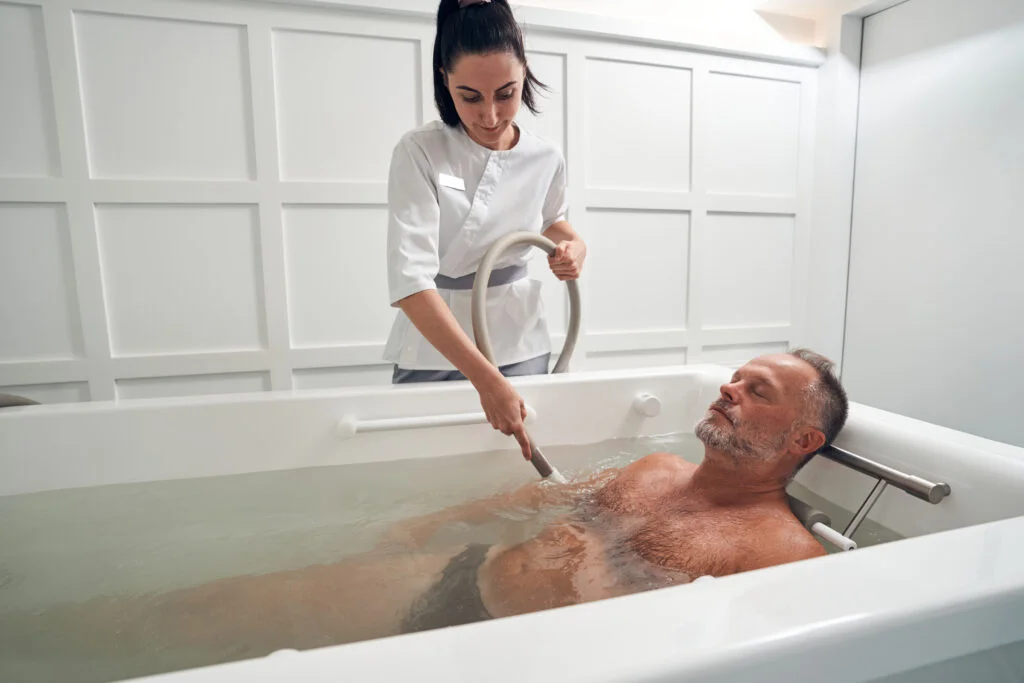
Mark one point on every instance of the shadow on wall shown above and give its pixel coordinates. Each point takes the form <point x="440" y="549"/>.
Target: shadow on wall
<point x="795" y="30"/>
<point x="10" y="401"/>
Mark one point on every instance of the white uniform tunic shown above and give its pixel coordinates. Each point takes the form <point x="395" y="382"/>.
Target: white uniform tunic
<point x="449" y="200"/>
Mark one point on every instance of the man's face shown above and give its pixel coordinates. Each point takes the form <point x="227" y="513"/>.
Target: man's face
<point x="759" y="408"/>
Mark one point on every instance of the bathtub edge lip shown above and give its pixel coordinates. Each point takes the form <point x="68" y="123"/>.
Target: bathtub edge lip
<point x="296" y="395"/>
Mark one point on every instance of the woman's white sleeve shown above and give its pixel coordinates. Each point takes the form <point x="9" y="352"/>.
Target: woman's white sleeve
<point x="413" y="222"/>
<point x="556" y="202"/>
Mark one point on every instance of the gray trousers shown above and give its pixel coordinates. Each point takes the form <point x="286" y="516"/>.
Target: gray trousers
<point x="532" y="366"/>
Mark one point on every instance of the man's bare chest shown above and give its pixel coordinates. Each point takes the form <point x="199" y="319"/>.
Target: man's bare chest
<point x="681" y="538"/>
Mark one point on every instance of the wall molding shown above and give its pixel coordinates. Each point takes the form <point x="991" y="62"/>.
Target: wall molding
<point x="660" y="334"/>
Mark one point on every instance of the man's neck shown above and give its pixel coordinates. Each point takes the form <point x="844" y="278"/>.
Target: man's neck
<point x="722" y="482"/>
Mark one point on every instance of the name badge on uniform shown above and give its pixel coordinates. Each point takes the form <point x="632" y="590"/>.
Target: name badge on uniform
<point x="451" y="181"/>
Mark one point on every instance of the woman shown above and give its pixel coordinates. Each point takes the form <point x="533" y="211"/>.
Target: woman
<point x="457" y="186"/>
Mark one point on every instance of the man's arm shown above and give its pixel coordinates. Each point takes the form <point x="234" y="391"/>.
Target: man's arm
<point x="535" y="495"/>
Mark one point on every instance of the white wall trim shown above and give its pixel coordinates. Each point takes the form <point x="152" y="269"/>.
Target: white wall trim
<point x="45" y="372"/>
<point x="699" y="156"/>
<point x="271" y="232"/>
<point x="79" y="208"/>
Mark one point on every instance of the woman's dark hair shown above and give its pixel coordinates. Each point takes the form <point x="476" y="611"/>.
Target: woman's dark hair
<point x="478" y="29"/>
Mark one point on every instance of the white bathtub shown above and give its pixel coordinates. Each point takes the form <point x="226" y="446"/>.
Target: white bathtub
<point x="944" y="604"/>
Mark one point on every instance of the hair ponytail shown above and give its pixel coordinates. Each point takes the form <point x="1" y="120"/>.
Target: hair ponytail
<point x="482" y="28"/>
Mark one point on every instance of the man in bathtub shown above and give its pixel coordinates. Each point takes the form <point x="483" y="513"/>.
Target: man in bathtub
<point x="657" y="522"/>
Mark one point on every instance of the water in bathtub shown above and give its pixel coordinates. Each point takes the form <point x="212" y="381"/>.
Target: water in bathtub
<point x="120" y="581"/>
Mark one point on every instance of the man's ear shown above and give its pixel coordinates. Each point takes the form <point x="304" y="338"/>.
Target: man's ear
<point x="809" y="440"/>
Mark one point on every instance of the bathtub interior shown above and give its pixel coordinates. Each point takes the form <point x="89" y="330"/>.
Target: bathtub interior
<point x="152" y="495"/>
<point x="229" y="461"/>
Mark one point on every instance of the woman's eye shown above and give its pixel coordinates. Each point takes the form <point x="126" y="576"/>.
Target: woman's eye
<point x="470" y="100"/>
<point x="506" y="96"/>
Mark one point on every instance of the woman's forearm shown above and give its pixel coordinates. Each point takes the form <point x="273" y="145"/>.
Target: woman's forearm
<point x="502" y="404"/>
<point x="561" y="232"/>
<point x="435" y="321"/>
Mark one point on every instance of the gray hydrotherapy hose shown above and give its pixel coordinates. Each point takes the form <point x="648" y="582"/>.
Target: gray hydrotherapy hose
<point x="483" y="340"/>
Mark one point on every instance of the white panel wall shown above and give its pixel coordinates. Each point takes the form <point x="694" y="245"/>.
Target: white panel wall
<point x="754" y="282"/>
<point x="634" y="287"/>
<point x="936" y="300"/>
<point x="180" y="279"/>
<point x="192" y="195"/>
<point x="162" y="387"/>
<point x="696" y="185"/>
<point x="638" y="126"/>
<point x="318" y="78"/>
<point x="753" y="135"/>
<point x="27" y="133"/>
<point x="330" y="267"/>
<point x="38" y="287"/>
<point x="159" y="106"/>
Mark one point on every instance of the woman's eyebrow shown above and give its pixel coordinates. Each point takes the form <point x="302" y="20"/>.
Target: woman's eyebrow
<point x="466" y="87"/>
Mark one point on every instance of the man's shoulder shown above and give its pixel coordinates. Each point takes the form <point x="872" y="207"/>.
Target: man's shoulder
<point x="664" y="461"/>
<point x="782" y="541"/>
<point x="657" y="472"/>
<point x="802" y="545"/>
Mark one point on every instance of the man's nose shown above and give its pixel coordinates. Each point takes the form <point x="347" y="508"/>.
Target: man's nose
<point x="728" y="392"/>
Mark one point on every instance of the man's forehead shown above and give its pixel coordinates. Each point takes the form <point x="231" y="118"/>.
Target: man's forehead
<point x="783" y="369"/>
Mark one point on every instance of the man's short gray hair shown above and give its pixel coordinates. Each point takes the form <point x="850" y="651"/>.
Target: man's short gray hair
<point x="826" y="397"/>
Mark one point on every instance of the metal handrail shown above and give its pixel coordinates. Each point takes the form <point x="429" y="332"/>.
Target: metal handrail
<point x="350" y="425"/>
<point x="928" y="491"/>
<point x="819" y="523"/>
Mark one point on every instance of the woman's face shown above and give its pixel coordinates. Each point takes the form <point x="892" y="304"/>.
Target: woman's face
<point x="488" y="90"/>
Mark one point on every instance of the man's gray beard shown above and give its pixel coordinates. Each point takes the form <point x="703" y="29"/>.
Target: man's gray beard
<point x="728" y="441"/>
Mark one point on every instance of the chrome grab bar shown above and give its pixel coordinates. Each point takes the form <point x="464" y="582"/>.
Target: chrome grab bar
<point x="819" y="523"/>
<point x="923" y="489"/>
